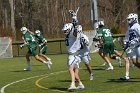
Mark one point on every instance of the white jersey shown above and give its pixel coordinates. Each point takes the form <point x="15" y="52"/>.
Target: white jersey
<point x="131" y="37"/>
<point x="84" y="51"/>
<point x="132" y="33"/>
<point x="70" y="39"/>
<point x="74" y="42"/>
<point x="73" y="45"/>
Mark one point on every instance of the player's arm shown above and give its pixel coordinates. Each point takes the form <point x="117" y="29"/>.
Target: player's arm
<point x="24" y="43"/>
<point x="44" y="42"/>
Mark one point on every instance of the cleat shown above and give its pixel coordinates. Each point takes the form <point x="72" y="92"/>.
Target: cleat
<point x="49" y="63"/>
<point x="91" y="77"/>
<point x="26" y="69"/>
<point x="80" y="86"/>
<point x="72" y="87"/>
<point x="110" y="68"/>
<point x="125" y="78"/>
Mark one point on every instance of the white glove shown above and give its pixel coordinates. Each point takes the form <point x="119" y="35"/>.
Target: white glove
<point x="21" y="46"/>
<point x="134" y="41"/>
<point x="40" y="45"/>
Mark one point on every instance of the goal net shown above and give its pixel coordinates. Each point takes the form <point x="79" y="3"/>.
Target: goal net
<point x="93" y="45"/>
<point x="6" y="47"/>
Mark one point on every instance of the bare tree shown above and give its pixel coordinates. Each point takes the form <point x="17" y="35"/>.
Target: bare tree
<point x="11" y="2"/>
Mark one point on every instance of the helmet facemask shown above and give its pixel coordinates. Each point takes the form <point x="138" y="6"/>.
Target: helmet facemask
<point x="132" y="18"/>
<point x="67" y="28"/>
<point x="37" y="33"/>
<point x="23" y="30"/>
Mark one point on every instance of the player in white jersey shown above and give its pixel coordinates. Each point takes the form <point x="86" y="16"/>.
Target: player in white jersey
<point x="132" y="42"/>
<point x="72" y="43"/>
<point x="84" y="50"/>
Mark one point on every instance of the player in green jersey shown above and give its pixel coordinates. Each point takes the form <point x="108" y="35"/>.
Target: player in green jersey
<point x="31" y="43"/>
<point x="42" y="45"/>
<point x="106" y="42"/>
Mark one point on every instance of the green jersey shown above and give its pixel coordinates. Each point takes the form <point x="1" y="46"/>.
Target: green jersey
<point x="29" y="39"/>
<point x="105" y="34"/>
<point x="31" y="42"/>
<point x="40" y="39"/>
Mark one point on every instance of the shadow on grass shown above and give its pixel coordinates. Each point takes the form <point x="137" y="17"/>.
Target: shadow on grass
<point x="119" y="80"/>
<point x="20" y="71"/>
<point x="66" y="80"/>
<point x="37" y="65"/>
<point x="59" y="89"/>
<point x="96" y="69"/>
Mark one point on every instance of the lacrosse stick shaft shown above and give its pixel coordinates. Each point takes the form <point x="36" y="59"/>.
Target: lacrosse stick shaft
<point x="77" y="10"/>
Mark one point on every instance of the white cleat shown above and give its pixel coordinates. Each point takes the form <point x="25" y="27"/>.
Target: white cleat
<point x="91" y="77"/>
<point x="49" y="63"/>
<point x="125" y="78"/>
<point x="26" y="69"/>
<point x="110" y="68"/>
<point x="72" y="87"/>
<point x="80" y="86"/>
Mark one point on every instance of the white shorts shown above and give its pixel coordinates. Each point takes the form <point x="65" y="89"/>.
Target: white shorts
<point x="73" y="60"/>
<point x="133" y="52"/>
<point x="84" y="55"/>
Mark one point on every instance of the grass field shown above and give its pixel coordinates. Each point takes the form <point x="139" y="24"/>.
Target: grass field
<point x="41" y="80"/>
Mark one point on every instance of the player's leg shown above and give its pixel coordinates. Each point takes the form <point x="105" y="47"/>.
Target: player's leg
<point x="108" y="62"/>
<point x="80" y="84"/>
<point x="106" y="50"/>
<point x="28" y="54"/>
<point x="101" y="54"/>
<point x="116" y="58"/>
<point x="88" y="66"/>
<point x="43" y="51"/>
<point x="33" y="50"/>
<point x="71" y="64"/>
<point x="72" y="74"/>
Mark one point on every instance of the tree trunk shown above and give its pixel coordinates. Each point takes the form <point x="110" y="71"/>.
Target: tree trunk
<point x="12" y="18"/>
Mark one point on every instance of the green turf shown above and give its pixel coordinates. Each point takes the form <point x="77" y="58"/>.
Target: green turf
<point x="57" y="80"/>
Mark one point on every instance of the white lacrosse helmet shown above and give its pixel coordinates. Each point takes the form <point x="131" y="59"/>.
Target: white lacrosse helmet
<point x="132" y="18"/>
<point x="79" y="28"/>
<point x="101" y="23"/>
<point x="23" y="30"/>
<point x="37" y="32"/>
<point x="67" y="28"/>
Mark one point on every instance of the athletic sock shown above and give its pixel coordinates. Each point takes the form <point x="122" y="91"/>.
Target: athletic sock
<point x="28" y="65"/>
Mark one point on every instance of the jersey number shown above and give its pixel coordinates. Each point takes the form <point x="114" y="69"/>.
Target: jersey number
<point x="107" y="33"/>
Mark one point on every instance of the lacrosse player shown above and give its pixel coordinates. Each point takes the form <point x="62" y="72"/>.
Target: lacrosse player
<point x="73" y="45"/>
<point x="42" y="45"/>
<point x="95" y="39"/>
<point x="107" y="45"/>
<point x="132" y="42"/>
<point x="30" y="42"/>
<point x="84" y="50"/>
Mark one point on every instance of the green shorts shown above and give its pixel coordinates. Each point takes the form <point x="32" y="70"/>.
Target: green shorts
<point x="108" y="48"/>
<point x="43" y="49"/>
<point x="32" y="49"/>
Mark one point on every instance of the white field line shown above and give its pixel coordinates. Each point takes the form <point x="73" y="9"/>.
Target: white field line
<point x="3" y="88"/>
